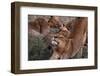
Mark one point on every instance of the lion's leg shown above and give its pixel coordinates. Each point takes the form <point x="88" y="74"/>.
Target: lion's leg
<point x="54" y="56"/>
<point x="68" y="50"/>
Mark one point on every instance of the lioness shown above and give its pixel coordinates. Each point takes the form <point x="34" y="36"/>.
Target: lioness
<point x="67" y="44"/>
<point x="60" y="43"/>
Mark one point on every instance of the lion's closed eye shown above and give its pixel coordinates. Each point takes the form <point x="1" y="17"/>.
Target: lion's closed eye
<point x="61" y="37"/>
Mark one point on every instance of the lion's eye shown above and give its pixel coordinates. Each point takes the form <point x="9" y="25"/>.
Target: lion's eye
<point x="61" y="37"/>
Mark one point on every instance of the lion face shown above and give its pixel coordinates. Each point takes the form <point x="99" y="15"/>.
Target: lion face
<point x="58" y="39"/>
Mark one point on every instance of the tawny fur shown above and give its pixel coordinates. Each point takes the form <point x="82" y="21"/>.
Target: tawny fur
<point x="39" y="26"/>
<point x="70" y="45"/>
<point x="69" y="40"/>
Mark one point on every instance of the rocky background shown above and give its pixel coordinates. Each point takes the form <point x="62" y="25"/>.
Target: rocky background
<point x="63" y="19"/>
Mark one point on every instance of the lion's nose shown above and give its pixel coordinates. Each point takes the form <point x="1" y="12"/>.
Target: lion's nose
<point x="57" y="42"/>
<point x="53" y="38"/>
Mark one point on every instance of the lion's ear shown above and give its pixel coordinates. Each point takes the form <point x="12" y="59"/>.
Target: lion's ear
<point x="55" y="17"/>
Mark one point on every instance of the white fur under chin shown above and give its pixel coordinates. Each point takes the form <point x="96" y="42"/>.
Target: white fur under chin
<point x="54" y="43"/>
